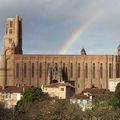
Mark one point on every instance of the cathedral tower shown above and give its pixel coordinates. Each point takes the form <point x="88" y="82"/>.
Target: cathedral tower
<point x="12" y="44"/>
<point x="13" y="35"/>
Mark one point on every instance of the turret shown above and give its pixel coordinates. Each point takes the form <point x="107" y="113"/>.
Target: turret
<point x="118" y="49"/>
<point x="83" y="52"/>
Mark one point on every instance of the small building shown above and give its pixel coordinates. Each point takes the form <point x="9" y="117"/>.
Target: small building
<point x="85" y="102"/>
<point x="94" y="91"/>
<point x="61" y="90"/>
<point x="84" y="99"/>
<point x="113" y="83"/>
<point x="10" y="95"/>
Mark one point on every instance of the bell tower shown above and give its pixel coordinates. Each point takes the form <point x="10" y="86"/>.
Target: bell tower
<point x="12" y="44"/>
<point x="13" y="35"/>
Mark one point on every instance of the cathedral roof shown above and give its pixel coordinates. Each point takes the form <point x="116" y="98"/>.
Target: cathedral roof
<point x="12" y="89"/>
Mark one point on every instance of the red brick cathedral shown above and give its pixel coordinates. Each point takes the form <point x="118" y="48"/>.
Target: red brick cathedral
<point x="82" y="70"/>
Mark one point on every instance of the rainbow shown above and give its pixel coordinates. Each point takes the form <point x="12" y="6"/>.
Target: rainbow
<point x="87" y="23"/>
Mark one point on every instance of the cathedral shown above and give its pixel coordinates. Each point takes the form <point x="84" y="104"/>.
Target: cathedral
<point x="82" y="70"/>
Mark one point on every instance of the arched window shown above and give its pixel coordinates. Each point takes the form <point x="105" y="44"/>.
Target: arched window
<point x="40" y="70"/>
<point x="32" y="70"/>
<point x="10" y="31"/>
<point x="78" y="70"/>
<point x="93" y="71"/>
<point x="86" y="70"/>
<point x="11" y="23"/>
<point x="24" y="70"/>
<point x="71" y="70"/>
<point x="17" y="70"/>
<point x="110" y="70"/>
<point x="101" y="70"/>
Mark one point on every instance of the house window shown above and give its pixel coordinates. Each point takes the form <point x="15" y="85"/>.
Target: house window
<point x="71" y="70"/>
<point x="110" y="70"/>
<point x="93" y="71"/>
<point x="101" y="70"/>
<point x="32" y="70"/>
<point x="62" y="89"/>
<point x="78" y="70"/>
<point x="7" y="96"/>
<point x="17" y="70"/>
<point x="40" y="70"/>
<point x="86" y="70"/>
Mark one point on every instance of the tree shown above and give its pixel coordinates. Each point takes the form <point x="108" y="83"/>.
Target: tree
<point x="103" y="102"/>
<point x="117" y="91"/>
<point x="5" y="113"/>
<point x="64" y="110"/>
<point x="117" y="94"/>
<point x="29" y="96"/>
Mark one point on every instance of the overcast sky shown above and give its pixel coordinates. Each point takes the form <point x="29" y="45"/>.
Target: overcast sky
<point x="47" y="24"/>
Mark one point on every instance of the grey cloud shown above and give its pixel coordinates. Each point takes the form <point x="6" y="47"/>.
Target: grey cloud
<point x="53" y="21"/>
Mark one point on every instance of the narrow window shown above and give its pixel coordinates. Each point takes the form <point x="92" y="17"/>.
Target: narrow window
<point x="93" y="70"/>
<point x="110" y="70"/>
<point x="71" y="70"/>
<point x="118" y="70"/>
<point x="101" y="70"/>
<point x="86" y="70"/>
<point x="48" y="68"/>
<point x="11" y="23"/>
<point x="10" y="40"/>
<point x="17" y="70"/>
<point x="25" y="70"/>
<point x="32" y="70"/>
<point x="56" y="66"/>
<point x="63" y="64"/>
<point x="78" y="70"/>
<point x="40" y="70"/>
<point x="10" y="31"/>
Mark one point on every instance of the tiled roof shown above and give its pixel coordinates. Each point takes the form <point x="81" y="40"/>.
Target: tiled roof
<point x="96" y="91"/>
<point x="55" y="85"/>
<point x="12" y="89"/>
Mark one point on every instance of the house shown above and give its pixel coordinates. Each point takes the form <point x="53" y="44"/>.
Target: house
<point x="85" y="102"/>
<point x="85" y="98"/>
<point x="10" y="95"/>
<point x="61" y="90"/>
<point x="94" y="91"/>
<point x="113" y="83"/>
